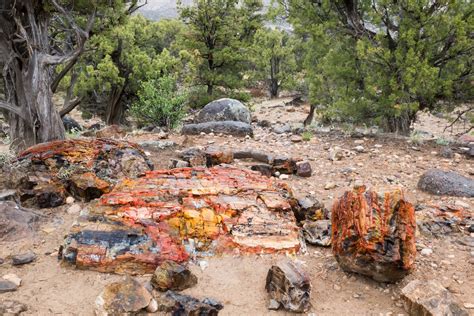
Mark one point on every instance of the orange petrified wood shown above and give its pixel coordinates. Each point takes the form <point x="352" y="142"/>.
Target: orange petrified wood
<point x="185" y="212"/>
<point x="374" y="234"/>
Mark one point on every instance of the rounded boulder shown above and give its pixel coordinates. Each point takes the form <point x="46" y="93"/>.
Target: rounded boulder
<point x="224" y="110"/>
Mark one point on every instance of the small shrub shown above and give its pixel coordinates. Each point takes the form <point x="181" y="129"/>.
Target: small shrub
<point x="159" y="103"/>
<point x="416" y="138"/>
<point x="6" y="158"/>
<point x="307" y="135"/>
<point x="442" y="141"/>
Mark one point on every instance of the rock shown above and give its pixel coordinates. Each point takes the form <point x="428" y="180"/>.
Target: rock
<point x="16" y="222"/>
<point x="283" y="177"/>
<point x="303" y="169"/>
<point x="177" y="213"/>
<point x="216" y="156"/>
<point x="359" y="149"/>
<point x="296" y="138"/>
<point x="179" y="304"/>
<point x="440" y="182"/>
<point x="335" y="153"/>
<point x="74" y="209"/>
<point x="44" y="174"/>
<point x="284" y="165"/>
<point x="70" y="124"/>
<point x="12" y="278"/>
<point x="195" y="157"/>
<point x="264" y="123"/>
<point x="172" y="276"/>
<point x="374" y="234"/>
<point x="282" y="129"/>
<point x="233" y="128"/>
<point x="111" y="131"/>
<point x="224" y="110"/>
<point x="23" y="258"/>
<point x="7" y="286"/>
<point x="426" y="252"/>
<point x="330" y="186"/>
<point x="264" y="169"/>
<point x="446" y="152"/>
<point x="289" y="285"/>
<point x="69" y="200"/>
<point x="310" y="209"/>
<point x="7" y="195"/>
<point x="176" y="163"/>
<point x="127" y="296"/>
<point x="12" y="308"/>
<point x="317" y="233"/>
<point x="255" y="155"/>
<point x="157" y="144"/>
<point x="430" y="298"/>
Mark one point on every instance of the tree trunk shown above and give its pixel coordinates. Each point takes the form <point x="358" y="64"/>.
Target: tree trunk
<point x="309" y="118"/>
<point x="115" y="108"/>
<point x="210" y="89"/>
<point x="274" y="71"/>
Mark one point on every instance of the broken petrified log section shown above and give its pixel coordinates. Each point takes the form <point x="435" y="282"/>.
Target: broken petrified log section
<point x="180" y="304"/>
<point x="268" y="165"/>
<point x="171" y="214"/>
<point x="288" y="285"/>
<point x="45" y="174"/>
<point x="374" y="234"/>
<point x="172" y="276"/>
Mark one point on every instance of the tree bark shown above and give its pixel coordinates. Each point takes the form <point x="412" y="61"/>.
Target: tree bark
<point x="309" y="118"/>
<point x="114" y="110"/>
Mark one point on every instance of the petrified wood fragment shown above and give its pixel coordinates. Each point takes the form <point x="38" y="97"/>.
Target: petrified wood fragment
<point x="317" y="232"/>
<point x="172" y="276"/>
<point x="289" y="286"/>
<point x="374" y="234"/>
<point x="45" y="174"/>
<point x="182" y="305"/>
<point x="197" y="209"/>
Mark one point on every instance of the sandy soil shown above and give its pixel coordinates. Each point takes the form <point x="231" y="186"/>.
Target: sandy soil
<point x="238" y="281"/>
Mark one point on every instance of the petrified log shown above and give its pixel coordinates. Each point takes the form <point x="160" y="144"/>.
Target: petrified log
<point x="45" y="174"/>
<point x="172" y="276"/>
<point x="374" y="234"/>
<point x="289" y="286"/>
<point x="318" y="232"/>
<point x="197" y="209"/>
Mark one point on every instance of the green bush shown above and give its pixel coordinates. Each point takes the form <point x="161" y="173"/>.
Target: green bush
<point x="159" y="103"/>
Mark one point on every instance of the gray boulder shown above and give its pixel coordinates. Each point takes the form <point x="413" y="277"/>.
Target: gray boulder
<point x="446" y="183"/>
<point x="225" y="127"/>
<point x="224" y="110"/>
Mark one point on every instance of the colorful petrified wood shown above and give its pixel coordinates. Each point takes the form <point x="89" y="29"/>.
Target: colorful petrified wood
<point x="45" y="174"/>
<point x="187" y="211"/>
<point x="374" y="234"/>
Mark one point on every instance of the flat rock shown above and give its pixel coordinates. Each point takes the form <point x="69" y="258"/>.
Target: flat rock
<point x="233" y="128"/>
<point x="224" y="110"/>
<point x="16" y="222"/>
<point x="289" y="285"/>
<point x="430" y="298"/>
<point x="23" y="258"/>
<point x="15" y="279"/>
<point x="7" y="286"/>
<point x="127" y="296"/>
<point x="440" y="182"/>
<point x="7" y="195"/>
<point x="374" y="234"/>
<point x="12" y="307"/>
<point x="172" y="276"/>
<point x="157" y="144"/>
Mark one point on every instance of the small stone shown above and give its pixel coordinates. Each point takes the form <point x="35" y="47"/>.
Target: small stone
<point x="284" y="177"/>
<point x="426" y="251"/>
<point x="152" y="307"/>
<point x="69" y="200"/>
<point x="359" y="141"/>
<point x="12" y="278"/>
<point x="359" y="149"/>
<point x="303" y="169"/>
<point x="469" y="305"/>
<point x="74" y="209"/>
<point x="296" y="138"/>
<point x="273" y="305"/>
<point x="7" y="286"/>
<point x="318" y="232"/>
<point x="330" y="185"/>
<point x="172" y="276"/>
<point x="336" y="287"/>
<point x="23" y="258"/>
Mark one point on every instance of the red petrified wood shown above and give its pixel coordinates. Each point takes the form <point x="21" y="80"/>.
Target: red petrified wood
<point x="179" y="212"/>
<point x="374" y="234"/>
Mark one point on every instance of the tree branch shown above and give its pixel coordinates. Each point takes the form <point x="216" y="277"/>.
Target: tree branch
<point x="70" y="106"/>
<point x="13" y="109"/>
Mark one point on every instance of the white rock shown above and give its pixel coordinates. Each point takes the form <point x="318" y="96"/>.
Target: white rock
<point x="426" y="251"/>
<point x="13" y="278"/>
<point x="74" y="209"/>
<point x="69" y="200"/>
<point x="284" y="177"/>
<point x="153" y="306"/>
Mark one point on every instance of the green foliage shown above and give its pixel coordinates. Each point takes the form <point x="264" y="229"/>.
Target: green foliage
<point x="307" y="135"/>
<point x="273" y="54"/>
<point x="392" y="59"/>
<point x="217" y="39"/>
<point x="198" y="97"/>
<point x="159" y="103"/>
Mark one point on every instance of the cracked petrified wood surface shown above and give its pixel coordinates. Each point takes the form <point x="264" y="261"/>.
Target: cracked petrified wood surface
<point x="374" y="234"/>
<point x="45" y="174"/>
<point x="181" y="212"/>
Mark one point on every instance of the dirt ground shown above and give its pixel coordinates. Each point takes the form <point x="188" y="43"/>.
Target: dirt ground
<point x="238" y="281"/>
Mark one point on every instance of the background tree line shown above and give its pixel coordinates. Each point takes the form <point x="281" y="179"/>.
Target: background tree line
<point x="366" y="62"/>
